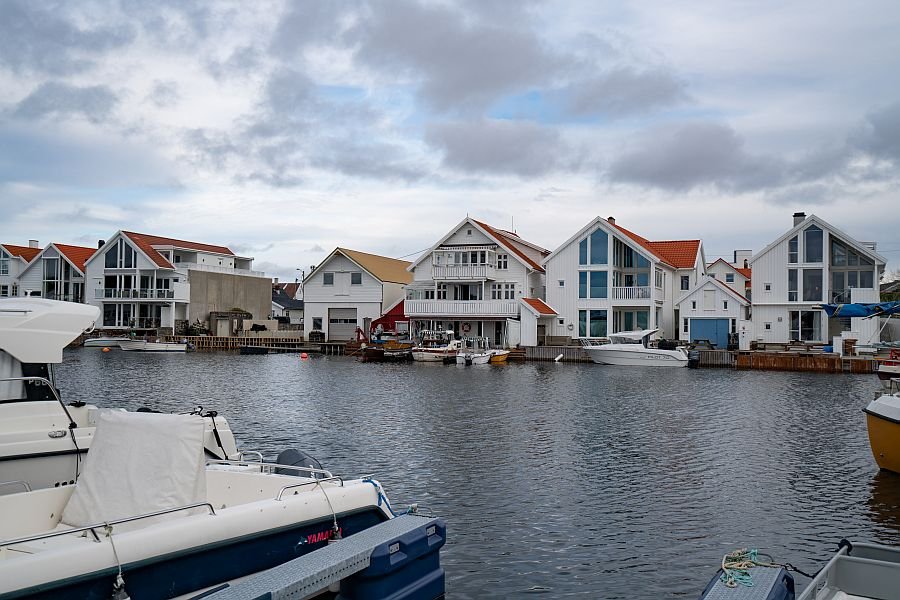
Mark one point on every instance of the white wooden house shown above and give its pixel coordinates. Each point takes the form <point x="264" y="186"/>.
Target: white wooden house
<point x="606" y="279"/>
<point x="350" y="289"/>
<point x="712" y="311"/>
<point x="474" y="281"/>
<point x="56" y="273"/>
<point x="736" y="275"/>
<point x="810" y="264"/>
<point x="13" y="260"/>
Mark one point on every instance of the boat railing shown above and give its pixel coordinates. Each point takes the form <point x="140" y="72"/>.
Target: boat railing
<point x="24" y="484"/>
<point x="252" y="452"/>
<point x="104" y="524"/>
<point x="53" y="390"/>
<point x="590" y="342"/>
<point x="271" y="467"/>
<point x="315" y="482"/>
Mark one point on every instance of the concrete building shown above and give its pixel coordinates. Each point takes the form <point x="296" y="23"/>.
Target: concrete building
<point x="56" y="273"/>
<point x="13" y="260"/>
<point x="153" y="282"/>
<point x="813" y="263"/>
<point x="350" y="289"/>
<point x="606" y="279"/>
<point x="474" y="281"/>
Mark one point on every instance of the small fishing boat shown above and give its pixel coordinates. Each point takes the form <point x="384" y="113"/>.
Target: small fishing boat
<point x="104" y="341"/>
<point x="632" y="348"/>
<point x="148" y="346"/>
<point x="856" y="572"/>
<point x="883" y="425"/>
<point x="474" y="351"/>
<point x="498" y="356"/>
<point x="389" y="351"/>
<point x="436" y="346"/>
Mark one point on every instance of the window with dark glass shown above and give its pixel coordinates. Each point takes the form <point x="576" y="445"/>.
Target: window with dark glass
<point x="582" y="323"/>
<point x="812" y="285"/>
<point x="599" y="244"/>
<point x="598" y="284"/>
<point x="583" y="252"/>
<point x="355" y="278"/>
<point x="812" y="244"/>
<point x="598" y="323"/>
<point x="685" y="282"/>
<point x="793" y="252"/>
<point x="729" y="277"/>
<point x="582" y="284"/>
<point x="792" y="285"/>
<point x="327" y="278"/>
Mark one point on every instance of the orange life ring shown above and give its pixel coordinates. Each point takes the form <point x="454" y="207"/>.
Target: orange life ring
<point x="466" y="327"/>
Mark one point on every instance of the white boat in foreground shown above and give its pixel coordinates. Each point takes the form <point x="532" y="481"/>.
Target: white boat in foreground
<point x="474" y="351"/>
<point x="436" y="346"/>
<point x="631" y="349"/>
<point x="145" y="346"/>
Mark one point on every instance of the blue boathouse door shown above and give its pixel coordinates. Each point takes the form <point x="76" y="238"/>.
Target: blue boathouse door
<point x="714" y="330"/>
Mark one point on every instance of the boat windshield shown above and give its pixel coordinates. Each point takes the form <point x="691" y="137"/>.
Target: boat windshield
<point x="632" y="337"/>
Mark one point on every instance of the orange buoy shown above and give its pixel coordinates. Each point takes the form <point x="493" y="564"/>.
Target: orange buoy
<point x="106" y="349"/>
<point x="304" y="356"/>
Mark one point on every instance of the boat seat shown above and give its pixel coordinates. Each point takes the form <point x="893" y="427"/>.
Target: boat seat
<point x="139" y="463"/>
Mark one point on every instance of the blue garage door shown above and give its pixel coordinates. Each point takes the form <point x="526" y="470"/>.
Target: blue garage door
<point x="714" y="330"/>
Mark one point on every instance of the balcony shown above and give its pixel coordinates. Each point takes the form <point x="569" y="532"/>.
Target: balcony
<point x="630" y="293"/>
<point x="462" y="272"/>
<point x="461" y="308"/>
<point x="142" y="294"/>
<point x="217" y="269"/>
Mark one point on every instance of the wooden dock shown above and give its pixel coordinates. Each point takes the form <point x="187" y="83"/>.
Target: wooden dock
<point x="814" y="362"/>
<point x="549" y="353"/>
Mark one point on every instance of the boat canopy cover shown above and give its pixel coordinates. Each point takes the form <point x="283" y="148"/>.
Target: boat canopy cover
<point x="34" y="330"/>
<point x="139" y="463"/>
<point x="881" y="309"/>
<point x="633" y="335"/>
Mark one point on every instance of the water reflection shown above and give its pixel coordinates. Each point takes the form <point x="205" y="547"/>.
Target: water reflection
<point x="567" y="480"/>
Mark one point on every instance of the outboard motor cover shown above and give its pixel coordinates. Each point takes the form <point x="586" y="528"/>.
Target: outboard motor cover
<point x="297" y="458"/>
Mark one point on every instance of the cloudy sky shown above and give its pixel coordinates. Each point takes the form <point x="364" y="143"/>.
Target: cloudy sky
<point x="284" y="129"/>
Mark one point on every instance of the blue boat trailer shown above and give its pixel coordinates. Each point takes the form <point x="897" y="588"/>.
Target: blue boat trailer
<point x="398" y="559"/>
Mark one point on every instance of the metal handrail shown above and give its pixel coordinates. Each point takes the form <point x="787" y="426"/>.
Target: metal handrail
<point x="52" y="534"/>
<point x="271" y="466"/>
<point x="24" y="484"/>
<point x="243" y="452"/>
<point x="48" y="383"/>
<point x="315" y="482"/>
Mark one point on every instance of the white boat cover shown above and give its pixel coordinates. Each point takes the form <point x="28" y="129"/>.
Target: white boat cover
<point x="139" y="463"/>
<point x="35" y="330"/>
<point x="887" y="406"/>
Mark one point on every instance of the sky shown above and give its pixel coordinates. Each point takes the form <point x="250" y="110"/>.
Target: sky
<point x="283" y="129"/>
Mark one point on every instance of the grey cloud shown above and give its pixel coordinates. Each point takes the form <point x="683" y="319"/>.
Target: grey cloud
<point x="802" y="195"/>
<point x="209" y="147"/>
<point x="461" y="64"/>
<point x="880" y="133"/>
<point x="316" y="248"/>
<point x="306" y="22"/>
<point x="241" y="62"/>
<point x="247" y="249"/>
<point x="164" y="94"/>
<point x="95" y="103"/>
<point x="38" y="36"/>
<point x="502" y="147"/>
<point x="365" y="159"/>
<point x="694" y="155"/>
<point x="624" y="91"/>
<point x="550" y="193"/>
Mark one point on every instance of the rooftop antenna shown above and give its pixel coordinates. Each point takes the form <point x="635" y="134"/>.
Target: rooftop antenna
<point x="512" y="223"/>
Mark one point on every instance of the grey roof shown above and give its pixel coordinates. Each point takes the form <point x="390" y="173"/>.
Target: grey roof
<point x="285" y="301"/>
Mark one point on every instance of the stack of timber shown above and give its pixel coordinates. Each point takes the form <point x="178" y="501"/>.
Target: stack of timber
<point x="815" y="362"/>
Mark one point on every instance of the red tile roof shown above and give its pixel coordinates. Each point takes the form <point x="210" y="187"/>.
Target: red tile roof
<point x="539" y="305"/>
<point x="681" y="254"/>
<point x="745" y="272"/>
<point x="146" y="242"/>
<point x="508" y="240"/>
<point x="25" y="252"/>
<point x="77" y="255"/>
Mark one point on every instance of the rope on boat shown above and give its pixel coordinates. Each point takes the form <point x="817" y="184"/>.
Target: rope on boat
<point x="383" y="498"/>
<point x="736" y="567"/>
<point x="118" y="591"/>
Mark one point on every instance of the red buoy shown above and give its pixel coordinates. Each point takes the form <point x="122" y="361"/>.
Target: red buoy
<point x="304" y="356"/>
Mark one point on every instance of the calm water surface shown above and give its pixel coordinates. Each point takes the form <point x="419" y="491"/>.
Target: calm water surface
<point x="555" y="479"/>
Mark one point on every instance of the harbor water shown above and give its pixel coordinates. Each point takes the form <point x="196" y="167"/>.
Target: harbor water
<point x="567" y="480"/>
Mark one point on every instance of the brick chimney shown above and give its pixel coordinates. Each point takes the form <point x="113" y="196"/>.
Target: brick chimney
<point x="799" y="217"/>
<point x="612" y="220"/>
<point x="33" y="244"/>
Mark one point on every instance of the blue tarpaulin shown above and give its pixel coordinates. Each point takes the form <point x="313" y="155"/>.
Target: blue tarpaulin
<point x="881" y="309"/>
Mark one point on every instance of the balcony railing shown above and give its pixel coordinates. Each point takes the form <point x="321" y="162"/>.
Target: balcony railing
<point x="630" y="293"/>
<point x="462" y="272"/>
<point x="461" y="308"/>
<point x="143" y="294"/>
<point x="218" y="269"/>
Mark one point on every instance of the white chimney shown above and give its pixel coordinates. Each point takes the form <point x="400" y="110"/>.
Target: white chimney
<point x="33" y="244"/>
<point x="799" y="217"/>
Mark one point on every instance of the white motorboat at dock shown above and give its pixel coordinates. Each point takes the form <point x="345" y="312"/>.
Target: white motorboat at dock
<point x="632" y="348"/>
<point x="148" y="346"/>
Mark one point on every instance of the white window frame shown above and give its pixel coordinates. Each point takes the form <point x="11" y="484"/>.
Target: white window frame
<point x="325" y="277"/>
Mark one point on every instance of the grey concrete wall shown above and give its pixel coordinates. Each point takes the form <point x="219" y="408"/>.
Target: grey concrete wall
<point x="221" y="292"/>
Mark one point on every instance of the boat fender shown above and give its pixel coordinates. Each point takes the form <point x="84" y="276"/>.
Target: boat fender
<point x="558" y="358"/>
<point x="144" y="409"/>
<point x="845" y="543"/>
<point x="297" y="458"/>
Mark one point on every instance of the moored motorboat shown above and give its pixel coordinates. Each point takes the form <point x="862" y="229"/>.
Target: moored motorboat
<point x="889" y="368"/>
<point x="148" y="346"/>
<point x="883" y="425"/>
<point x="498" y="356"/>
<point x="632" y="348"/>
<point x="436" y="346"/>
<point x="42" y="439"/>
<point x="474" y="351"/>
<point x="389" y="351"/>
<point x="104" y="341"/>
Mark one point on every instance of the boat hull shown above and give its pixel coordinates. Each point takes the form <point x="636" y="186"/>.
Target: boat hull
<point x="142" y="346"/>
<point x="884" y="438"/>
<point x="642" y="357"/>
<point x="473" y="359"/>
<point x="499" y="356"/>
<point x="432" y="355"/>
<point x="103" y="342"/>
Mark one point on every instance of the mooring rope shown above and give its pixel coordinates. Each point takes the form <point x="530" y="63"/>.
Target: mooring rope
<point x="736" y="567"/>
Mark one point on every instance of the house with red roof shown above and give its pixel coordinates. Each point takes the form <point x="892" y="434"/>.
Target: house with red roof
<point x="57" y="273"/>
<point x="477" y="281"/>
<point x="142" y="281"/>
<point x="736" y="275"/>
<point x="606" y="279"/>
<point x="13" y="260"/>
<point x="714" y="312"/>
